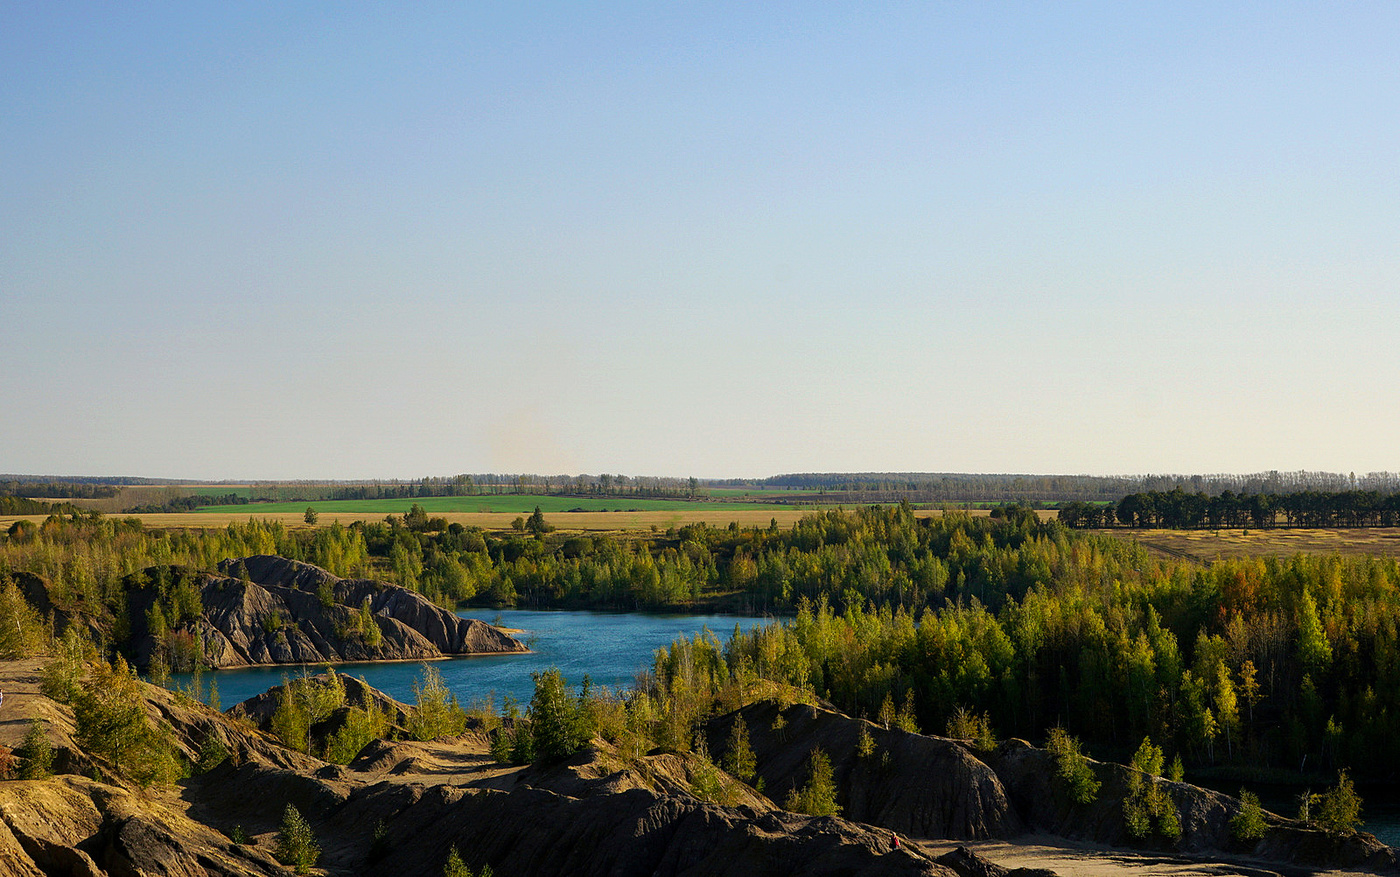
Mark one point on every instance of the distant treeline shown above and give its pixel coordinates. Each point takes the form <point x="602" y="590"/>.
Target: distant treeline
<point x="18" y="505"/>
<point x="961" y="487"/>
<point x="16" y="486"/>
<point x="1179" y="510"/>
<point x="479" y="485"/>
<point x="859" y="488"/>
<point x="189" y="503"/>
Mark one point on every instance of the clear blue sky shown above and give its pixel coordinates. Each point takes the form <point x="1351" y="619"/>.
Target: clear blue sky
<point x="280" y="240"/>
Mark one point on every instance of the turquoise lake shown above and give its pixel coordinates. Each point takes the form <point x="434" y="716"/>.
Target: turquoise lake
<point x="611" y="647"/>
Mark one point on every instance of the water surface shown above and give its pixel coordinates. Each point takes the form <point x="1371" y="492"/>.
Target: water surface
<point x="611" y="647"/>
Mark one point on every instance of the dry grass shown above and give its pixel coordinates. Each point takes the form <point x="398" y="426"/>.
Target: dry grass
<point x="1205" y="546"/>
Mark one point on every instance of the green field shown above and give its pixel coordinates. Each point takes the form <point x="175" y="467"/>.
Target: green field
<point x="522" y="504"/>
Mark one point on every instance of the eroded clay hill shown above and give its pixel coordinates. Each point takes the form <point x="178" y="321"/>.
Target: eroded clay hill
<point x="400" y="807"/>
<point x="270" y="610"/>
<point x="933" y="787"/>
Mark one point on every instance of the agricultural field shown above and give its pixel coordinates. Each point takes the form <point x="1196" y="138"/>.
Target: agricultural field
<point x="515" y="504"/>
<point x="1205" y="546"/>
<point x="713" y="514"/>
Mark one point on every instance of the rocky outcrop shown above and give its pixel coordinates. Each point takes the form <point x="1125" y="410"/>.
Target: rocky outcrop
<point x="74" y="825"/>
<point x="911" y="783"/>
<point x="270" y="610"/>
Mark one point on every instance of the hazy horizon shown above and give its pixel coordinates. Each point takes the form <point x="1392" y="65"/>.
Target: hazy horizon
<point x="318" y="242"/>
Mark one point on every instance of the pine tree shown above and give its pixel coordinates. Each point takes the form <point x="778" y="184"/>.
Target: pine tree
<point x="36" y="752"/>
<point x="555" y="720"/>
<point x="296" y="842"/>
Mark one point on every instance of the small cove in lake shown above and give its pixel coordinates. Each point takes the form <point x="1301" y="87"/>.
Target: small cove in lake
<point x="610" y="647"/>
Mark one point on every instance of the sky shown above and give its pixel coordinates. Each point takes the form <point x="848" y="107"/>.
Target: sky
<point x="364" y="240"/>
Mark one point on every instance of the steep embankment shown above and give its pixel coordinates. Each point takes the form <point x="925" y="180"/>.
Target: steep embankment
<point x="1028" y="774"/>
<point x="918" y="785"/>
<point x="932" y="787"/>
<point x="400" y="807"/>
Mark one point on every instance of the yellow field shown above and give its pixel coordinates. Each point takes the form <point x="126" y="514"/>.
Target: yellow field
<point x="1207" y="545"/>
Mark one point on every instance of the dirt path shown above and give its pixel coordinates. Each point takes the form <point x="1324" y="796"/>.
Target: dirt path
<point x="1070" y="859"/>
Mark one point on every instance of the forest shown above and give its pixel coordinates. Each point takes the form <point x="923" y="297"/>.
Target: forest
<point x="1179" y="510"/>
<point x="1025" y="625"/>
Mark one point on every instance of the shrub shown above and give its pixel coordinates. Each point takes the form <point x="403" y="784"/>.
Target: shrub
<point x="363" y="724"/>
<point x="296" y="842"/>
<point x="1248" y="824"/>
<point x="1072" y="768"/>
<point x="36" y="752"/>
<point x="1339" y="808"/>
<point x="977" y="727"/>
<point x="818" y="796"/>
<point x="436" y="712"/>
<point x="212" y="753"/>
<point x="303" y="702"/>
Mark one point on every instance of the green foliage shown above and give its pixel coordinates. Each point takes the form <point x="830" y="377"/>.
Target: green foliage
<point x="303" y="702"/>
<point x="964" y="724"/>
<point x="865" y="744"/>
<point x="1148" y="802"/>
<point x="455" y="867"/>
<point x="818" y="796"/>
<point x="1072" y="769"/>
<point x="1248" y="824"/>
<point x="436" y="711"/>
<point x="36" y="752"/>
<point x="212" y="753"/>
<point x="368" y="628"/>
<point x="706" y="781"/>
<point x="22" y="632"/>
<point x="296" y="845"/>
<point x="1177" y="772"/>
<point x="1021" y="621"/>
<point x="363" y="724"/>
<point x="311" y="516"/>
<point x="906" y="721"/>
<point x="110" y="714"/>
<point x="1148" y="759"/>
<point x="536" y="523"/>
<point x="558" y="724"/>
<point x="61" y="678"/>
<point x="738" y="758"/>
<point x="1339" y="808"/>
